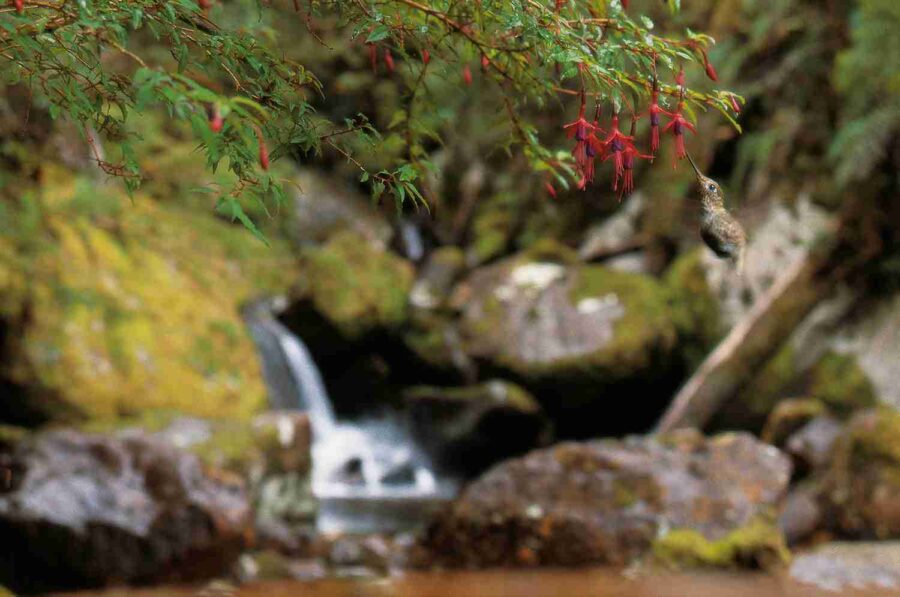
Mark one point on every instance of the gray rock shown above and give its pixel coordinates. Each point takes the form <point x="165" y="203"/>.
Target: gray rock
<point x="802" y="514"/>
<point x="607" y="502"/>
<point x="97" y="510"/>
<point x="846" y="566"/>
<point x="811" y="445"/>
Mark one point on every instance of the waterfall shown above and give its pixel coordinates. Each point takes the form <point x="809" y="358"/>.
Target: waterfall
<point x="368" y="475"/>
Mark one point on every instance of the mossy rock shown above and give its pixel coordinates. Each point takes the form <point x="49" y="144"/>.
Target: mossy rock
<point x="758" y="544"/>
<point x="355" y="286"/>
<point x="118" y="306"/>
<point x="695" y="310"/>
<point x="862" y="484"/>
<point x="4" y="592"/>
<point x="573" y="334"/>
<point x="838" y="381"/>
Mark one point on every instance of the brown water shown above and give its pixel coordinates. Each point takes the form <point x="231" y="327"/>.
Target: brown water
<point x="514" y="583"/>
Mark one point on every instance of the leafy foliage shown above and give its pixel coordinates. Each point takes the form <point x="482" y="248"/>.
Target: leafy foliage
<point x="224" y="69"/>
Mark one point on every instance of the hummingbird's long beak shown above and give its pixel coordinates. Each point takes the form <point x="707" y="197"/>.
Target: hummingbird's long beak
<point x="696" y="169"/>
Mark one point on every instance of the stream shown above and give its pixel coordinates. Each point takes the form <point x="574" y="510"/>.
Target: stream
<point x="597" y="582"/>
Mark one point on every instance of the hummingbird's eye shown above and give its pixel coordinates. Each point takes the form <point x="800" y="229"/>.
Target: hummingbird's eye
<point x="711" y="186"/>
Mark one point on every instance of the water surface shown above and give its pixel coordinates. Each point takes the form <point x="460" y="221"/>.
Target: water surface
<point x="515" y="583"/>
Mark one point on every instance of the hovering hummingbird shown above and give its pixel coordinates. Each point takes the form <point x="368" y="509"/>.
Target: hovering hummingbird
<point x="719" y="229"/>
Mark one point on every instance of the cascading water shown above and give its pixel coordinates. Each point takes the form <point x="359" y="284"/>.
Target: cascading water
<point x="367" y="475"/>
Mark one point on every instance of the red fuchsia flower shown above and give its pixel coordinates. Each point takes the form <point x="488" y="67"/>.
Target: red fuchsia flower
<point x="204" y="4"/>
<point x="467" y="75"/>
<point x="679" y="78"/>
<point x="263" y="151"/>
<point x="629" y="155"/>
<point x="625" y="4"/>
<point x="373" y="57"/>
<point x="389" y="60"/>
<point x="485" y="63"/>
<point x="20" y="6"/>
<point x="216" y="122"/>
<point x="653" y="114"/>
<point x="677" y="127"/>
<point x="735" y="105"/>
<point x="586" y="145"/>
<point x="560" y="4"/>
<point x="710" y="70"/>
<point x="426" y="56"/>
<point x="550" y="190"/>
<point x="615" y="145"/>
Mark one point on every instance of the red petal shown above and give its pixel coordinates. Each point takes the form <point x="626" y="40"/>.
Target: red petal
<point x="467" y="75"/>
<point x="389" y="60"/>
<point x="426" y="56"/>
<point x="711" y="72"/>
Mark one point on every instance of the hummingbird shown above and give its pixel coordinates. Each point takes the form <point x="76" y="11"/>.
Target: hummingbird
<point x="721" y="232"/>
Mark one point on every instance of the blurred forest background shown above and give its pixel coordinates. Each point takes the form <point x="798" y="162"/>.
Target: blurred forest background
<point x="139" y="332"/>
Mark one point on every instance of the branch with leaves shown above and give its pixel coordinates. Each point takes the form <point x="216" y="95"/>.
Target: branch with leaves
<point x="220" y="68"/>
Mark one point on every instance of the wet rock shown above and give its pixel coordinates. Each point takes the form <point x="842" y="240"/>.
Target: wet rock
<point x="99" y="510"/>
<point x="616" y="233"/>
<point x="811" y="445"/>
<point x="350" y="288"/>
<point x="842" y="567"/>
<point x="432" y="288"/>
<point x="788" y="416"/>
<point x="324" y="206"/>
<point x="688" y="499"/>
<point x="802" y="514"/>
<point x="695" y="309"/>
<point x="862" y="482"/>
<point x="467" y="429"/>
<point x="577" y="336"/>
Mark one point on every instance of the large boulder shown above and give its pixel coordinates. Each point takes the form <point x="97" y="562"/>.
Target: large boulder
<point x="580" y="336"/>
<point x="686" y="499"/>
<point x="111" y="307"/>
<point x="469" y="428"/>
<point x="97" y="510"/>
<point x="350" y="289"/>
<point x="861" y="486"/>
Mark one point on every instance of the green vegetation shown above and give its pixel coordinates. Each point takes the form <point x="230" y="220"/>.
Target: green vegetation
<point x="757" y="544"/>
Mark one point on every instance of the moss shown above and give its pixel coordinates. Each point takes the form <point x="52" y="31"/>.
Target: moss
<point x="4" y="592"/>
<point x="238" y="447"/>
<point x="757" y="544"/>
<point x="695" y="310"/>
<point x="788" y="416"/>
<point x="773" y="382"/>
<point x="357" y="286"/>
<point x="136" y="308"/>
<point x="876" y="436"/>
<point x="838" y="381"/>
<point x="494" y="392"/>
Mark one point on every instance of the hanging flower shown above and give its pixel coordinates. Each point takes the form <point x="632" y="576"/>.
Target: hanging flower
<point x="263" y="151"/>
<point x="389" y="60"/>
<point x="485" y="63"/>
<point x="467" y="75"/>
<point x="548" y="186"/>
<point x="679" y="78"/>
<point x="20" y="6"/>
<point x="629" y="155"/>
<point x="735" y="105"/>
<point x="586" y="144"/>
<point x="614" y="146"/>
<point x="426" y="56"/>
<point x="710" y="70"/>
<point x="216" y="122"/>
<point x="373" y="57"/>
<point x="653" y="115"/>
<point x="677" y="127"/>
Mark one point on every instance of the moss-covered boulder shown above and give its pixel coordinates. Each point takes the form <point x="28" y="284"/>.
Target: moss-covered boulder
<point x="862" y="483"/>
<point x="695" y="310"/>
<point x="685" y="499"/>
<point x="112" y="306"/>
<point x="469" y="428"/>
<point x="579" y="336"/>
<point x="350" y="289"/>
